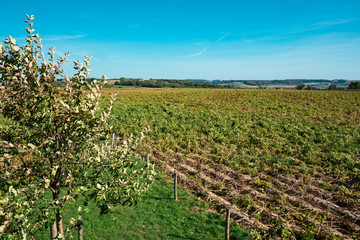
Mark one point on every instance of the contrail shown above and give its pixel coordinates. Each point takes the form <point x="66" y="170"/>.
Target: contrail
<point x="225" y="35"/>
<point x="206" y="48"/>
<point x="199" y="53"/>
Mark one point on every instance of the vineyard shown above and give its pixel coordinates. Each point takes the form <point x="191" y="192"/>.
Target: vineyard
<point x="286" y="162"/>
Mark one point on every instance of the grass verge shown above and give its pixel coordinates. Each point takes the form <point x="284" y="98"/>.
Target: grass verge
<point x="156" y="216"/>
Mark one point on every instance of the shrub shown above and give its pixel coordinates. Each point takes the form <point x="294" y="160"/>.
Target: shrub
<point x="332" y="87"/>
<point x="354" y="85"/>
<point x="300" y="86"/>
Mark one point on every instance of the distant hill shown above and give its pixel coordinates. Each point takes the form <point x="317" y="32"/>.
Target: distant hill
<point x="319" y="84"/>
<point x="198" y="80"/>
<point x="286" y="83"/>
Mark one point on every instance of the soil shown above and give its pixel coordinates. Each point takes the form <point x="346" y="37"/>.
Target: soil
<point x="261" y="201"/>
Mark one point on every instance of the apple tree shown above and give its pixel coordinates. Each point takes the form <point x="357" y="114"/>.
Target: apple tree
<point x="55" y="143"/>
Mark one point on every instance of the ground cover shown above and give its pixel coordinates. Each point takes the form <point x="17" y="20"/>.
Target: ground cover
<point x="287" y="162"/>
<point x="156" y="216"/>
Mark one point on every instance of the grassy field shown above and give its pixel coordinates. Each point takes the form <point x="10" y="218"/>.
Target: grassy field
<point x="287" y="161"/>
<point x="157" y="216"/>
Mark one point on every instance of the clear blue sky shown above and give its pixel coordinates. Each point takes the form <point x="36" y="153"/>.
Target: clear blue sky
<point x="258" y="39"/>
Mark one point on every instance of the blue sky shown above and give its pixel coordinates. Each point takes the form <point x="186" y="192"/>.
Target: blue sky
<point x="259" y="39"/>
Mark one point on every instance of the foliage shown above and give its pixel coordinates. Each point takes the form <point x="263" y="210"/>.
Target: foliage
<point x="332" y="87"/>
<point x="167" y="83"/>
<point x="57" y="141"/>
<point x="354" y="85"/>
<point x="300" y="86"/>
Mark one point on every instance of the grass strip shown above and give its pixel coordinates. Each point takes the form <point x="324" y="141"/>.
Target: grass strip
<point x="156" y="216"/>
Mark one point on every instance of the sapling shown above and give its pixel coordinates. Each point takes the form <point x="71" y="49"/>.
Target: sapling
<point x="56" y="143"/>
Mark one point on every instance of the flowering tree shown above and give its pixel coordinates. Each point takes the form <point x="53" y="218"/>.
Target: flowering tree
<point x="54" y="146"/>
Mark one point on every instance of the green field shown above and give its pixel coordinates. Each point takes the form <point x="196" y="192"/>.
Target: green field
<point x="156" y="216"/>
<point x="287" y="161"/>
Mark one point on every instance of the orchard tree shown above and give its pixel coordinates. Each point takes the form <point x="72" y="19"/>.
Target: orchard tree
<point x="55" y="143"/>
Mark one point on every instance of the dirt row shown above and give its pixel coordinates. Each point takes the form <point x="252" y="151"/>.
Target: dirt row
<point x="295" y="202"/>
<point x="307" y="192"/>
<point x="317" y="179"/>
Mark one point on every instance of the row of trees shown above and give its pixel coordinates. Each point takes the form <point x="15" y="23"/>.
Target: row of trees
<point x="167" y="83"/>
<point x="352" y="85"/>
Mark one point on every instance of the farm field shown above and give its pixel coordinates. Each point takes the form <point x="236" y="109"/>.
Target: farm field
<point x="287" y="162"/>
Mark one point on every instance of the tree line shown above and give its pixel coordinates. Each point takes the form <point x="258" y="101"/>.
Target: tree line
<point x="280" y="82"/>
<point x="306" y="84"/>
<point x="167" y="83"/>
<point x="352" y="86"/>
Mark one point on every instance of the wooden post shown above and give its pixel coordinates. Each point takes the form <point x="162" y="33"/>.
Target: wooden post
<point x="147" y="164"/>
<point x="80" y="230"/>
<point x="199" y="166"/>
<point x="175" y="187"/>
<point x="227" y="227"/>
<point x="112" y="140"/>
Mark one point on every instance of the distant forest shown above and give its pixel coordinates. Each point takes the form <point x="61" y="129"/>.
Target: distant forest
<point x="168" y="83"/>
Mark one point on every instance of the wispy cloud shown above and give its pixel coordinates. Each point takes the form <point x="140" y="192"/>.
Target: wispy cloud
<point x="206" y="48"/>
<point x="222" y="37"/>
<point x="291" y="31"/>
<point x="331" y="23"/>
<point x="201" y="52"/>
<point x="320" y="25"/>
<point x="64" y="37"/>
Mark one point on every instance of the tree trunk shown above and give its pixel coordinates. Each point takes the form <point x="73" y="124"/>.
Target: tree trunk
<point x="53" y="230"/>
<point x="58" y="223"/>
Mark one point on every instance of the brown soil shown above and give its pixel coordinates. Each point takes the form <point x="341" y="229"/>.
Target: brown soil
<point x="286" y="200"/>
